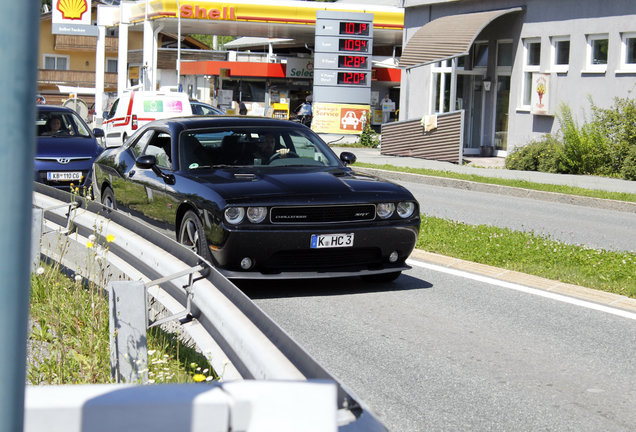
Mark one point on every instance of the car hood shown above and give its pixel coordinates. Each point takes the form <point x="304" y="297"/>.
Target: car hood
<point x="64" y="146"/>
<point x="312" y="185"/>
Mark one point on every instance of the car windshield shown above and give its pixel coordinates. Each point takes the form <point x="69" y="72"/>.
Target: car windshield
<point x="60" y="124"/>
<point x="248" y="146"/>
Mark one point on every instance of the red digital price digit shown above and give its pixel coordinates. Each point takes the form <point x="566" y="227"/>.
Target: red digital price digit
<point x="353" y="45"/>
<point x="354" y="78"/>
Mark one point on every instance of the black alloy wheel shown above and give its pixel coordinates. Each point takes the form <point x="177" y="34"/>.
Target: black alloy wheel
<point x="108" y="198"/>
<point x="192" y="236"/>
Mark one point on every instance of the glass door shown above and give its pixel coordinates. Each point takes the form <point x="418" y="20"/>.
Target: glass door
<point x="501" y="112"/>
<point x="474" y="111"/>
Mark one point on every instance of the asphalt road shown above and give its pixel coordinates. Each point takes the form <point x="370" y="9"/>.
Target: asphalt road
<point x="572" y="224"/>
<point x="438" y="352"/>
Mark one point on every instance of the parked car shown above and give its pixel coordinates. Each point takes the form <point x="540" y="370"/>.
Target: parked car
<point x="298" y="211"/>
<point x="200" y="108"/>
<point x="66" y="147"/>
<point x="136" y="108"/>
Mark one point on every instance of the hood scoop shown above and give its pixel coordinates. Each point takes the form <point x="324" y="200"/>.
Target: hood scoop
<point x="245" y="176"/>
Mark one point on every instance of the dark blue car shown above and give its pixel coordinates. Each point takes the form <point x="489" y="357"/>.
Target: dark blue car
<point x="66" y="148"/>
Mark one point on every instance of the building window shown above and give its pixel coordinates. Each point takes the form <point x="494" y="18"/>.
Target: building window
<point x="597" y="49"/>
<point x="532" y="63"/>
<point x="56" y="62"/>
<point x="480" y="54"/>
<point x="111" y="65"/>
<point x="533" y="52"/>
<point x="442" y="74"/>
<point x="560" y="56"/>
<point x="504" y="53"/>
<point x="628" y="52"/>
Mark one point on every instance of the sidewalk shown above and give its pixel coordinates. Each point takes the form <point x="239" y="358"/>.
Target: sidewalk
<point x="487" y="167"/>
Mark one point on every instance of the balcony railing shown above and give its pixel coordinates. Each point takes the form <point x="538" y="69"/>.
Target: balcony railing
<point x="74" y="78"/>
<point x="83" y="43"/>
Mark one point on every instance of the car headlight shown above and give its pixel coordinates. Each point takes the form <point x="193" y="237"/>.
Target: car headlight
<point x="256" y="214"/>
<point x="234" y="215"/>
<point x="405" y="209"/>
<point x="385" y="210"/>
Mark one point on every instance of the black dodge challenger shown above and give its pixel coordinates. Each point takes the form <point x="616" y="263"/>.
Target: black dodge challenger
<point x="260" y="198"/>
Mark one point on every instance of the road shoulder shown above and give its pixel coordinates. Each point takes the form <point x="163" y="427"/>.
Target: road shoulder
<point x="570" y="290"/>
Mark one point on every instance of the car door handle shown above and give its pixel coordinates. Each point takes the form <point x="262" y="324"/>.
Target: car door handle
<point x="131" y="173"/>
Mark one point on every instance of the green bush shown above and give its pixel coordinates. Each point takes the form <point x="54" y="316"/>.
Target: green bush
<point x="585" y="150"/>
<point x="618" y="125"/>
<point x="605" y="146"/>
<point x="628" y="171"/>
<point x="540" y="155"/>
<point x="368" y="137"/>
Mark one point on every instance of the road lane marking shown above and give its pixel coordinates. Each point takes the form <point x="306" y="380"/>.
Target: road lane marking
<point x="524" y="289"/>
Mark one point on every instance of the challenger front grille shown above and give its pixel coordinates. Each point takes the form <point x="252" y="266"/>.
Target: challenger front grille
<point x="322" y="214"/>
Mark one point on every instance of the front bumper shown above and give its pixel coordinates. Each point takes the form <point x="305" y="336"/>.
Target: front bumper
<point x="285" y="252"/>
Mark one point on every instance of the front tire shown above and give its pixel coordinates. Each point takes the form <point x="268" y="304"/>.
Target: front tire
<point x="382" y="277"/>
<point x="192" y="235"/>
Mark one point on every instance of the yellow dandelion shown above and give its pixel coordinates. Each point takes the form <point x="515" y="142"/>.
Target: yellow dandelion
<point x="110" y="238"/>
<point x="198" y="377"/>
<point x="89" y="244"/>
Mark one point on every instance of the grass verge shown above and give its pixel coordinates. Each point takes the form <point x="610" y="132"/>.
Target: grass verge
<point x="69" y="337"/>
<point x="570" y="190"/>
<point x="609" y="271"/>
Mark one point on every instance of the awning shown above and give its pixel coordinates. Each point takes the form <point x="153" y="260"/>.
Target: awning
<point x="447" y="37"/>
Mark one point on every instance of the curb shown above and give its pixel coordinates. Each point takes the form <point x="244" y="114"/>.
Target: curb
<point x="599" y="203"/>
<point x="570" y="290"/>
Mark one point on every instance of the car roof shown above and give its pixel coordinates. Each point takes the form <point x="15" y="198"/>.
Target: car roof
<point x="197" y="122"/>
<point x="54" y="108"/>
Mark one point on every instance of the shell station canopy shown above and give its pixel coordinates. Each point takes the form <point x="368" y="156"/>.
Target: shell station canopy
<point x="275" y="19"/>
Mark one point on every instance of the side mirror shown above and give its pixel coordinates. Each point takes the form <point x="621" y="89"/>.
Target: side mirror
<point x="348" y="158"/>
<point x="146" y="161"/>
<point x="99" y="133"/>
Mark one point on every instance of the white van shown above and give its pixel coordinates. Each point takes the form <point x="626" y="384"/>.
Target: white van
<point x="134" y="109"/>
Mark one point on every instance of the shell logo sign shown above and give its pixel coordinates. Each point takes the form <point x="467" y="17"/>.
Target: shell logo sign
<point x="72" y="9"/>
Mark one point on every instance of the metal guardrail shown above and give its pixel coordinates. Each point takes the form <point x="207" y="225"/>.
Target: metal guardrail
<point x="240" y="340"/>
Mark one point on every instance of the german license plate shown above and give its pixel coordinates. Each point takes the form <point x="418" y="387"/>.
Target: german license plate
<point x="64" y="176"/>
<point x="331" y="240"/>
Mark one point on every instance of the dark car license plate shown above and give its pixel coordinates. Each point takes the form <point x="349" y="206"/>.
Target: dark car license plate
<point x="331" y="240"/>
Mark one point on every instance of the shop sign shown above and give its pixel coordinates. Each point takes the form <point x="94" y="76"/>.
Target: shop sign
<point x="339" y="118"/>
<point x="540" y="103"/>
<point x="72" y="17"/>
<point x="299" y="68"/>
<point x="198" y="12"/>
<point x="133" y="72"/>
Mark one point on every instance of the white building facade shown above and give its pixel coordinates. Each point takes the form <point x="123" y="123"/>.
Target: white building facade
<point x="509" y="65"/>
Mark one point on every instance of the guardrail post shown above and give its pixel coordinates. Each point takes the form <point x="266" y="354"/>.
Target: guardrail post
<point x="127" y="323"/>
<point x="19" y="35"/>
<point x="37" y="219"/>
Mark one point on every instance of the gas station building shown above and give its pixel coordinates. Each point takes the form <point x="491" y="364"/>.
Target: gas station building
<point x="270" y="63"/>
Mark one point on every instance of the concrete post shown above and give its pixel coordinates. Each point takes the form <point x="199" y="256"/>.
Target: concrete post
<point x="122" y="54"/>
<point x="19" y="35"/>
<point x="99" y="69"/>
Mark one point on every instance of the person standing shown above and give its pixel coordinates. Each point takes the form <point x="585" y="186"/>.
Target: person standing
<point x="387" y="108"/>
<point x="242" y="108"/>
